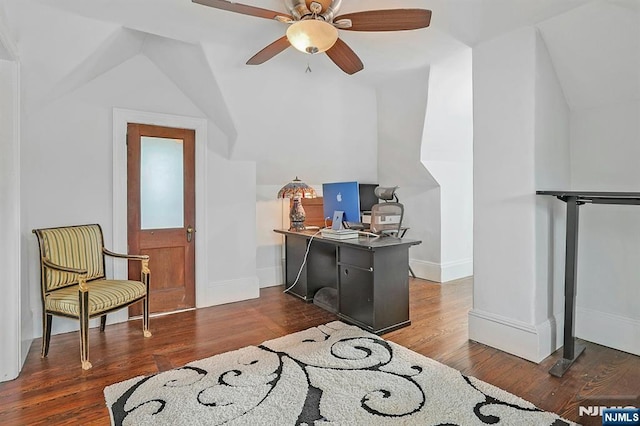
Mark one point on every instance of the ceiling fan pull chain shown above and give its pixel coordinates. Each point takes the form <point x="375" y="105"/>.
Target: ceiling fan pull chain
<point x="308" y="68"/>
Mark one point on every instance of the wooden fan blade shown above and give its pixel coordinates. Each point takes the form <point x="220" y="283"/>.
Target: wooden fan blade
<point x="242" y="8"/>
<point x="269" y="52"/>
<point x="387" y="20"/>
<point x="345" y="58"/>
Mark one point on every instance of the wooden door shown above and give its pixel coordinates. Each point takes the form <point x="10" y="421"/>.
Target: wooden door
<point x="161" y="213"/>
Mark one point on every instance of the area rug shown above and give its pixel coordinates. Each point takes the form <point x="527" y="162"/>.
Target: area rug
<point x="331" y="374"/>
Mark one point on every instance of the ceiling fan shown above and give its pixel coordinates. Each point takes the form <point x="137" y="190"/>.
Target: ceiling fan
<point x="313" y="27"/>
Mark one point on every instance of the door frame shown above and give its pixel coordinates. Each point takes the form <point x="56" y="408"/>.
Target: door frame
<point x="120" y="119"/>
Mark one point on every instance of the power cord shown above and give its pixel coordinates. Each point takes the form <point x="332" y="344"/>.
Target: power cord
<point x="369" y="234"/>
<point x="306" y="253"/>
<point x="304" y="261"/>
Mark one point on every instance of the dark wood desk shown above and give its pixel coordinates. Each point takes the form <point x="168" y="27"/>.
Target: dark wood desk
<point x="574" y="199"/>
<point x="369" y="276"/>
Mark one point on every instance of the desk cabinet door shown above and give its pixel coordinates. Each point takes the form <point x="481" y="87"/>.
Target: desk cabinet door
<point x="295" y="249"/>
<point x="356" y="294"/>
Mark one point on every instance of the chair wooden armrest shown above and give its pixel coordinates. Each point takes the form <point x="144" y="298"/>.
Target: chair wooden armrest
<point x="125" y="256"/>
<point x="49" y="264"/>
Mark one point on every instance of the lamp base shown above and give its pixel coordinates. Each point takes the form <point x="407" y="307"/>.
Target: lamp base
<point x="297" y="226"/>
<point x="297" y="216"/>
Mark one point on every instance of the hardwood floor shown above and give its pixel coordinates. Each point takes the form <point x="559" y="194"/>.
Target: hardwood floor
<point x="55" y="390"/>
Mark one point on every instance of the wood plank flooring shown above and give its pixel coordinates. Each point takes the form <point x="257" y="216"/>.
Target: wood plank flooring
<point x="55" y="390"/>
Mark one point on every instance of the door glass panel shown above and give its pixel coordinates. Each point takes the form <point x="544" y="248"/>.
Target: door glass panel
<point x="161" y="183"/>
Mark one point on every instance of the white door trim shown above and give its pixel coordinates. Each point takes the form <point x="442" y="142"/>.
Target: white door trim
<point x="120" y="119"/>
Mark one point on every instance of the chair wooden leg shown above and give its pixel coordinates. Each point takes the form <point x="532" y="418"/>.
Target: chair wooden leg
<point x="144" y="276"/>
<point x="145" y="317"/>
<point x="103" y="322"/>
<point x="84" y="330"/>
<point x="46" y="333"/>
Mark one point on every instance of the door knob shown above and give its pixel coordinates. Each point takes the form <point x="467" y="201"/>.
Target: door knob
<point x="189" y="233"/>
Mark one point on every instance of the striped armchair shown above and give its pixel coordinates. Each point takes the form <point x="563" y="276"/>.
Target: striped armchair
<point x="74" y="285"/>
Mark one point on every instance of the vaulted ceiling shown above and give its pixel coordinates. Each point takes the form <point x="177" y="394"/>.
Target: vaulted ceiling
<point x="594" y="44"/>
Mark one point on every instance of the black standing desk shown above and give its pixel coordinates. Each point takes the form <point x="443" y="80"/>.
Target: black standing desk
<point x="369" y="276"/>
<point x="574" y="199"/>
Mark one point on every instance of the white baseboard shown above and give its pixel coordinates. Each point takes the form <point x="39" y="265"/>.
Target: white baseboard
<point x="607" y="329"/>
<point x="220" y="292"/>
<point x="426" y="270"/>
<point x="456" y="270"/>
<point x="531" y="342"/>
<point x="442" y="272"/>
<point x="270" y="277"/>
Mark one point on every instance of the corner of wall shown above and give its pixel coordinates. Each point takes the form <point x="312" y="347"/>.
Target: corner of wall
<point x="531" y="342"/>
<point x="441" y="272"/>
<point x="596" y="326"/>
<point x="227" y="291"/>
<point x="271" y="276"/>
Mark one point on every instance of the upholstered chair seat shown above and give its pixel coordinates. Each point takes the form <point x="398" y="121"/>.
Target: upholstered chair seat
<point x="104" y="296"/>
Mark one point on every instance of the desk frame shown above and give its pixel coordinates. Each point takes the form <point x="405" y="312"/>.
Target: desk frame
<point x="368" y="274"/>
<point x="574" y="199"/>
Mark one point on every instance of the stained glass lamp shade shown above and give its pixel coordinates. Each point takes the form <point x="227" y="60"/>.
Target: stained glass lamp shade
<point x="297" y="190"/>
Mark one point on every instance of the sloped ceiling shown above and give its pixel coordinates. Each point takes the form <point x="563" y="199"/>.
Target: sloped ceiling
<point x="183" y="63"/>
<point x="596" y="53"/>
<point x="593" y="43"/>
<point x="469" y="21"/>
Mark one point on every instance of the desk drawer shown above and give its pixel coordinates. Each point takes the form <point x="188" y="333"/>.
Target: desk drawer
<point x="356" y="257"/>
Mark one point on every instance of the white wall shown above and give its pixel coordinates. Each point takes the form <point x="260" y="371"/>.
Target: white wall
<point x="602" y="88"/>
<point x="12" y="307"/>
<point x="552" y="171"/>
<point x="504" y="78"/>
<point x="526" y="138"/>
<point x="319" y="126"/>
<point x="10" y="304"/>
<point x="425" y="128"/>
<point x="231" y="234"/>
<point x="68" y="145"/>
<point x="402" y="103"/>
<point x="447" y="152"/>
<point x="271" y="214"/>
<point x="67" y="157"/>
<point x="604" y="157"/>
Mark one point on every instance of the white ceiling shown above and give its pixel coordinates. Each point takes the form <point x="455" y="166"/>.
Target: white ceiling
<point x="594" y="44"/>
<point x="470" y="21"/>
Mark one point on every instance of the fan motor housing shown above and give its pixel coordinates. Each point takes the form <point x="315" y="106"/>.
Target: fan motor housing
<point x="301" y="9"/>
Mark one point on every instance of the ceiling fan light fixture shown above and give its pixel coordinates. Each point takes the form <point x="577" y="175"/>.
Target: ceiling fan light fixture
<point x="312" y="36"/>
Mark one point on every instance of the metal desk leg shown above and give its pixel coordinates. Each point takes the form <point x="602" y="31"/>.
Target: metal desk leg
<point x="411" y="271"/>
<point x="404" y="231"/>
<point x="570" y="351"/>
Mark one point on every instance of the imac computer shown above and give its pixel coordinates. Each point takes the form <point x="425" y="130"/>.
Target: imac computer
<point x="342" y="197"/>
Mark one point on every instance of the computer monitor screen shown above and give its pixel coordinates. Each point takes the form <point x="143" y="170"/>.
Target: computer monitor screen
<point x="342" y="196"/>
<point x="367" y="196"/>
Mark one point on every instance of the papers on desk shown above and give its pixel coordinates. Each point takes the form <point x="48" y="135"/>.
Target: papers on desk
<point x="340" y="234"/>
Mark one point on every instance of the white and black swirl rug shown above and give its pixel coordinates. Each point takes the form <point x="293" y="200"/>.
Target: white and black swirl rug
<point x="331" y="374"/>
